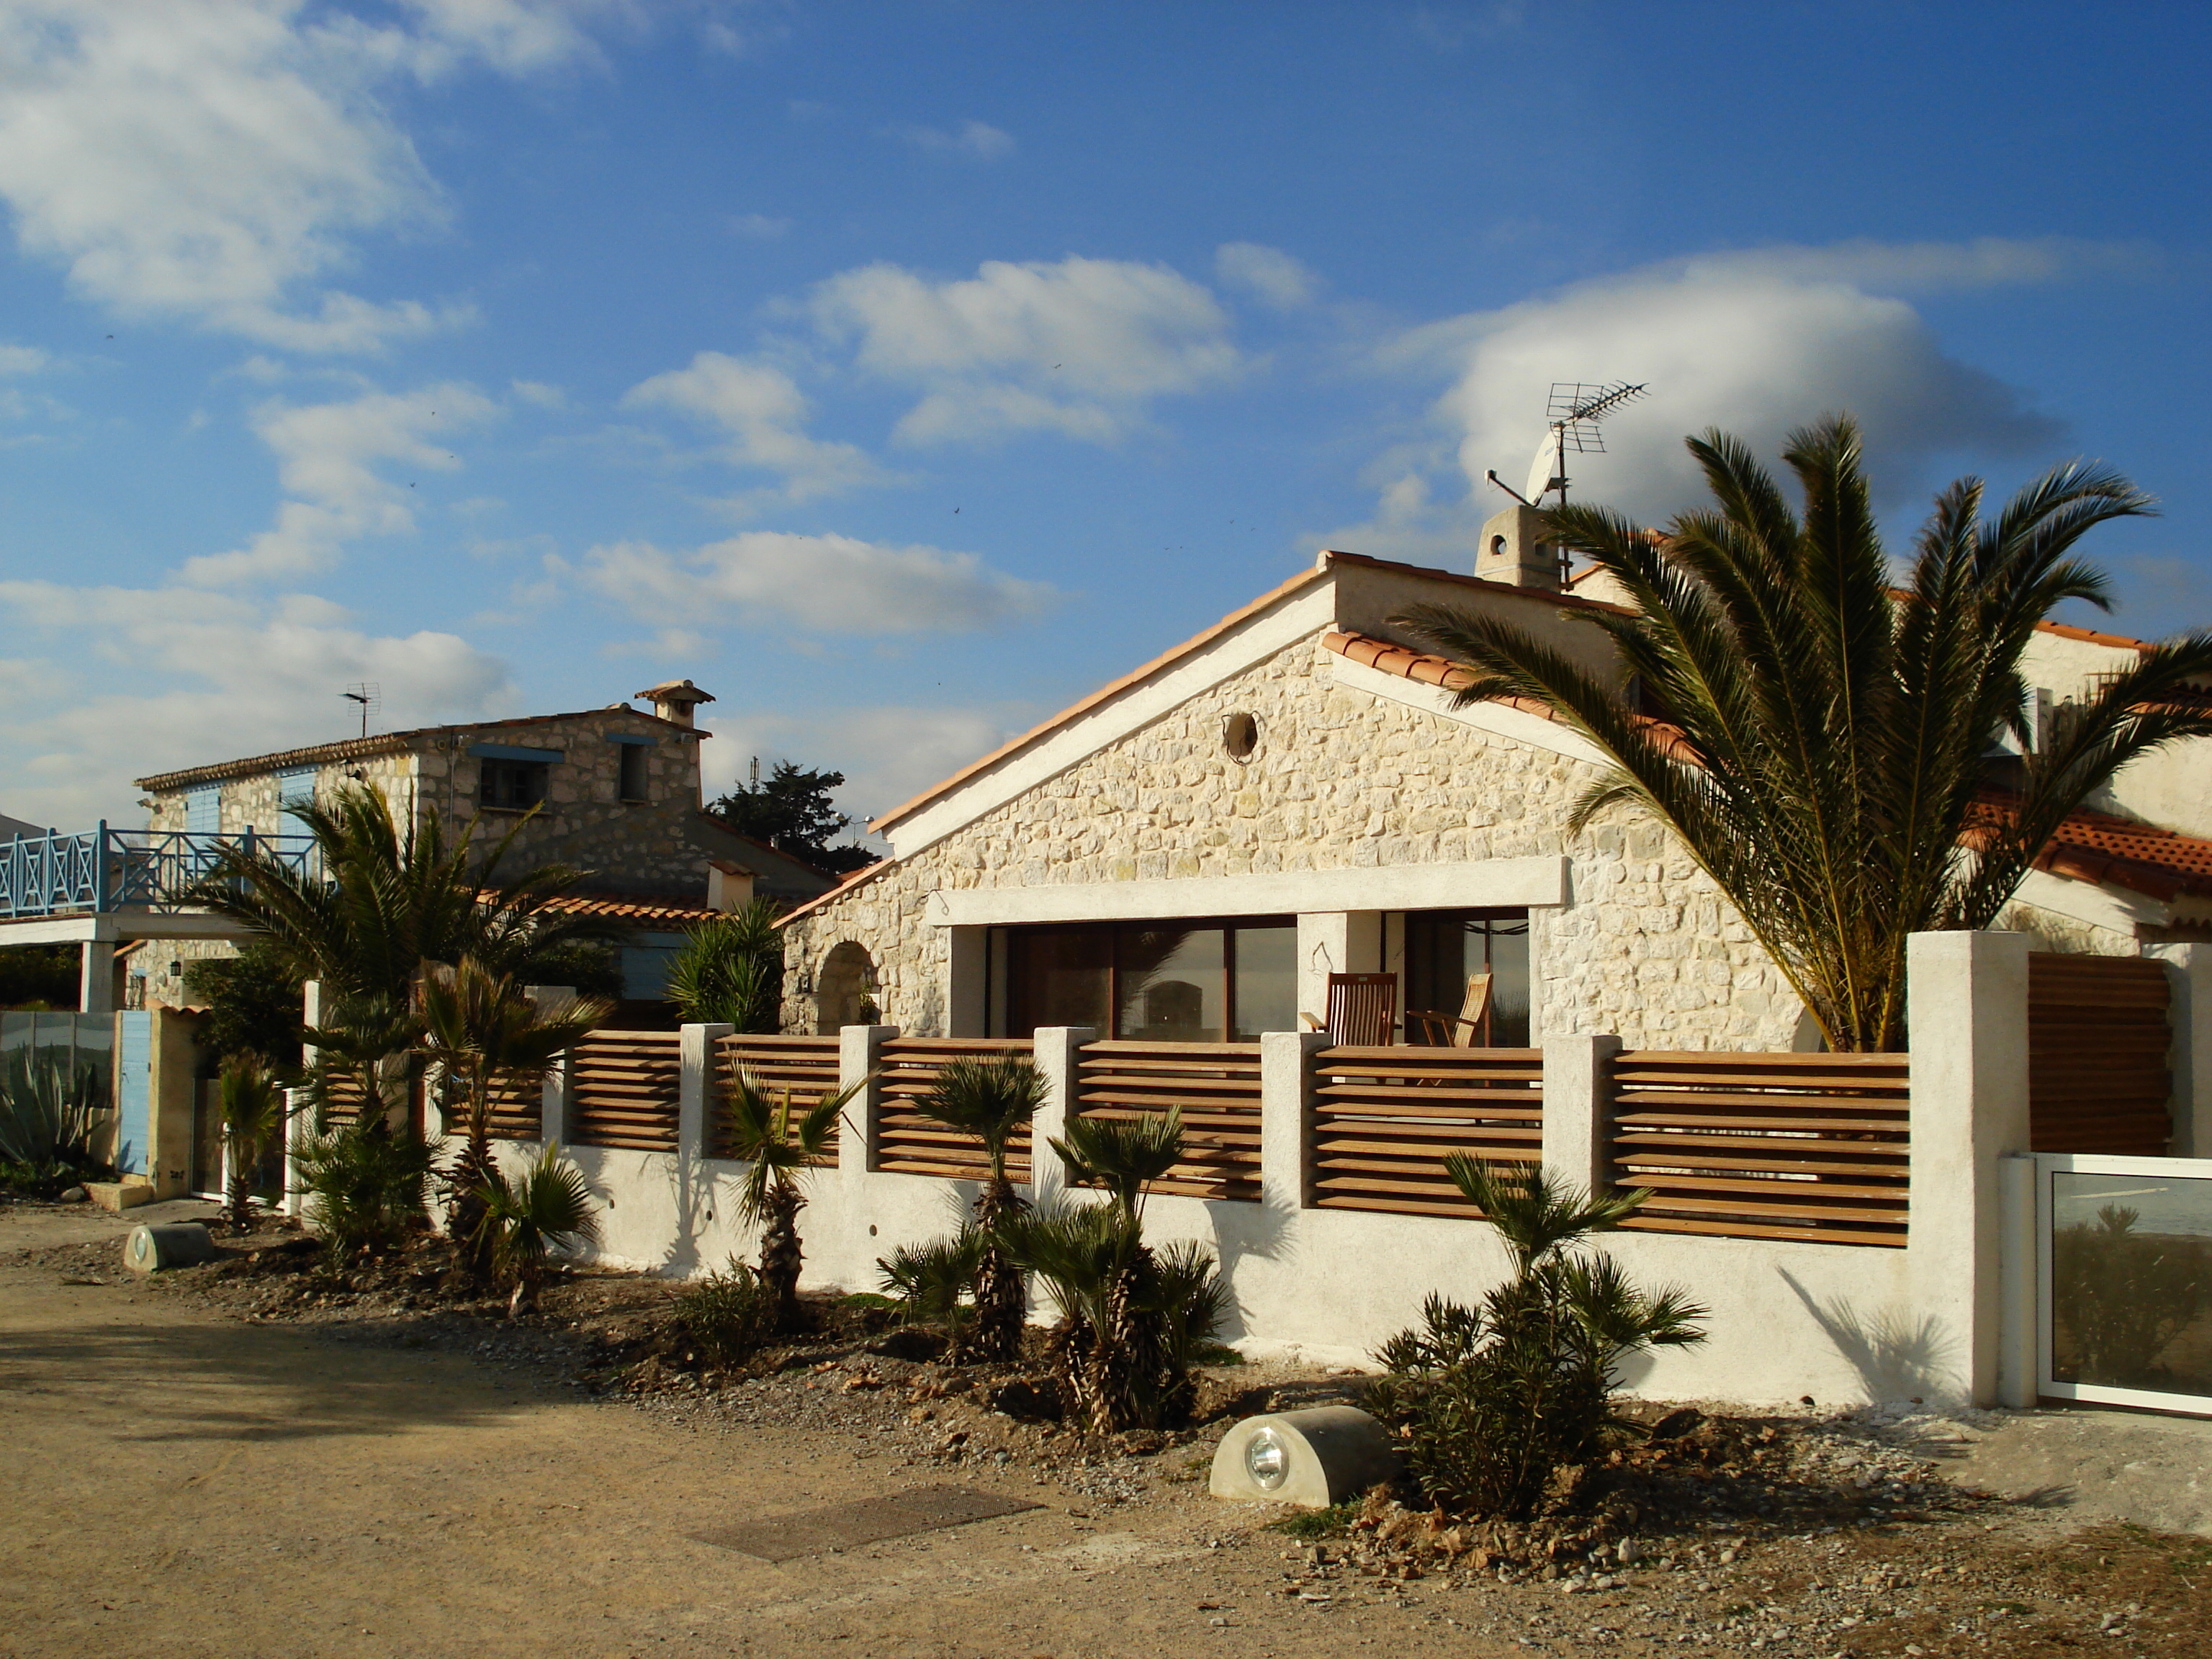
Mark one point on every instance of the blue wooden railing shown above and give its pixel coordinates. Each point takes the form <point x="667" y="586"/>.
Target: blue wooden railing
<point x="105" y="869"/>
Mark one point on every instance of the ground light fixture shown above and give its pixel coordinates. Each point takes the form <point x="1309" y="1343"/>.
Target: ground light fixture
<point x="1313" y="1458"/>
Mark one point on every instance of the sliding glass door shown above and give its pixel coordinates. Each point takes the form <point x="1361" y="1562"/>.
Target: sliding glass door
<point x="1154" y="982"/>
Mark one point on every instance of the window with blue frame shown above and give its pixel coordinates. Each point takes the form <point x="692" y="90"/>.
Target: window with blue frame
<point x="295" y="787"/>
<point x="203" y="810"/>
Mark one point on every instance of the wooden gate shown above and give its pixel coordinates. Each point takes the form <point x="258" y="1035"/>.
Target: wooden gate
<point x="2097" y="1042"/>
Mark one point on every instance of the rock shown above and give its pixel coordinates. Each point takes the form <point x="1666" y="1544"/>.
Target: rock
<point x="75" y="1195"/>
<point x="1676" y="1424"/>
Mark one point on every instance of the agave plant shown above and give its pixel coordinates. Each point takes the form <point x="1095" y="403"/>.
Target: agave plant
<point x="51" y="1107"/>
<point x="990" y="1099"/>
<point x="778" y="1152"/>
<point x="489" y="1041"/>
<point x="549" y="1207"/>
<point x="1492" y="1398"/>
<point x="253" y="1117"/>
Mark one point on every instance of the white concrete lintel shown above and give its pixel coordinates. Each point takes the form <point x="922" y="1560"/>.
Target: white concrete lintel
<point x="1497" y="718"/>
<point x="1533" y="882"/>
<point x="2086" y="901"/>
<point x="117" y="927"/>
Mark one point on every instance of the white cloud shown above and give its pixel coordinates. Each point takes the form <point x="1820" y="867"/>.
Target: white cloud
<point x="327" y="456"/>
<point x="1755" y="343"/>
<point x="832" y="584"/>
<point x="1272" y="277"/>
<point x="888" y="755"/>
<point x="764" y="413"/>
<point x="183" y="677"/>
<point x="213" y="160"/>
<point x="22" y="359"/>
<point x="539" y="394"/>
<point x="974" y="141"/>
<point x="1078" y="347"/>
<point x="760" y="226"/>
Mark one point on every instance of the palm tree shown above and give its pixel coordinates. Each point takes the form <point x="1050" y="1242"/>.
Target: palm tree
<point x="730" y="971"/>
<point x="990" y="1099"/>
<point x="253" y="1116"/>
<point x="1819" y="740"/>
<point x="1132" y="1319"/>
<point x="777" y="1153"/>
<point x="489" y="1040"/>
<point x="549" y="1207"/>
<point x="1492" y="1399"/>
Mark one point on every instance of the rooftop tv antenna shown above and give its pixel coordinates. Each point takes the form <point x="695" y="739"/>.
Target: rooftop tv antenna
<point x="369" y="695"/>
<point x="1572" y="419"/>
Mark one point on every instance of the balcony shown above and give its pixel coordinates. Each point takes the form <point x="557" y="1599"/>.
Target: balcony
<point x="103" y="872"/>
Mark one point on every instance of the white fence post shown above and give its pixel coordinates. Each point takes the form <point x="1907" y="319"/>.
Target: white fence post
<point x="553" y="1096"/>
<point x="1286" y="1085"/>
<point x="694" y="1089"/>
<point x="1059" y="1054"/>
<point x="861" y="1060"/>
<point x="2189" y="1013"/>
<point x="1967" y="1008"/>
<point x="299" y="1130"/>
<point x="1578" y="1107"/>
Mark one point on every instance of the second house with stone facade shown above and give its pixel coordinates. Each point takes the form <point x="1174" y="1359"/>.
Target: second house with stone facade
<point x="616" y="792"/>
<point x="1186" y="854"/>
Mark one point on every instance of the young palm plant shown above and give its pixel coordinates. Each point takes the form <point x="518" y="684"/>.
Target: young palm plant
<point x="1132" y="1319"/>
<point x="491" y="1042"/>
<point x="990" y="1099"/>
<point x="1819" y="739"/>
<point x="930" y="1282"/>
<point x="1492" y="1399"/>
<point x="253" y="1119"/>
<point x="549" y="1207"/>
<point x="730" y="971"/>
<point x="778" y="1153"/>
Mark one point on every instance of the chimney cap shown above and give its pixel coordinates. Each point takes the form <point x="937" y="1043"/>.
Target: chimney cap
<point x="680" y="692"/>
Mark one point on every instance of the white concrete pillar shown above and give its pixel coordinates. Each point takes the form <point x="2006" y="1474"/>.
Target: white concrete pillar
<point x="1966" y="1009"/>
<point x="95" y="978"/>
<point x="1335" y="942"/>
<point x="1287" y="1094"/>
<point x="1059" y="1054"/>
<point x="1579" y="1108"/>
<point x="861" y="1060"/>
<point x="553" y="1093"/>
<point x="2189" y="1058"/>
<point x="967" y="982"/>
<point x="299" y="1130"/>
<point x="694" y="1090"/>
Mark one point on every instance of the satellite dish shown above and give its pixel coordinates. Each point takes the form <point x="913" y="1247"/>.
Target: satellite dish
<point x="1548" y="472"/>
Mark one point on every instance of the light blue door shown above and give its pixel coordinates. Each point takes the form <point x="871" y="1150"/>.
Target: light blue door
<point x="134" y="1083"/>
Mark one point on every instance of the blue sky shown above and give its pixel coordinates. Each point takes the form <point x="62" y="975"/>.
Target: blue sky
<point x="901" y="372"/>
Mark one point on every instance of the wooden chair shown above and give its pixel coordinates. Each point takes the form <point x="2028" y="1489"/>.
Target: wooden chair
<point x="1363" y="1010"/>
<point x="1467" y="1028"/>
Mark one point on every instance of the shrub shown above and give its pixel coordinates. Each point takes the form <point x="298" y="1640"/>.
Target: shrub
<point x="932" y="1284"/>
<point x="253" y="1006"/>
<point x="990" y="1099"/>
<point x="730" y="971"/>
<point x="365" y="1185"/>
<point x="551" y="1208"/>
<point x="253" y="1119"/>
<point x="729" y="1314"/>
<point x="1491" y="1400"/>
<point x="51" y="1106"/>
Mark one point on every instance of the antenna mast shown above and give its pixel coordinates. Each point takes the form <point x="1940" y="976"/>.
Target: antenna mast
<point x="369" y="695"/>
<point x="1573" y="417"/>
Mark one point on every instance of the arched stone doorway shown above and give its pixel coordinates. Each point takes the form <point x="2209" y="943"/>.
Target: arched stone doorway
<point x="844" y="990"/>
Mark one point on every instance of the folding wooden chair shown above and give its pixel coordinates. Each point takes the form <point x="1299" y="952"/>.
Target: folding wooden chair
<point x="1467" y="1028"/>
<point x="1363" y="1010"/>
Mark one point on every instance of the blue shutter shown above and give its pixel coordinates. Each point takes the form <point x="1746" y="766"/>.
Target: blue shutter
<point x="203" y="810"/>
<point x="295" y="787"/>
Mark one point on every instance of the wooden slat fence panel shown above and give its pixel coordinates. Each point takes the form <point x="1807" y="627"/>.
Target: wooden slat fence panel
<point x="907" y="1143"/>
<point x="1753" y="1145"/>
<point x="2098" y="1033"/>
<point x="807" y="1065"/>
<point x="516" y="1113"/>
<point x="1384" y="1119"/>
<point x="623" y="1090"/>
<point x="1216" y="1085"/>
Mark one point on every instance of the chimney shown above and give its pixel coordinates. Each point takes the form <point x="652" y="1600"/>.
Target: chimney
<point x="674" y="700"/>
<point x="1514" y="550"/>
<point x="729" y="886"/>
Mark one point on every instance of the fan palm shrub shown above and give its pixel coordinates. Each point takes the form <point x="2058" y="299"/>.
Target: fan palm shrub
<point x="1819" y="740"/>
<point x="990" y="1099"/>
<point x="548" y="1207"/>
<point x="1131" y="1320"/>
<point x="730" y="971"/>
<point x="489" y="1041"/>
<point x="932" y="1281"/>
<point x="365" y="1186"/>
<point x="253" y="1118"/>
<point x="1492" y="1398"/>
<point x="778" y="1152"/>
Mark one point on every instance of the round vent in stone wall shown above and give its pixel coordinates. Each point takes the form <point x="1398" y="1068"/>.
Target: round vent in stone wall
<point x="1240" y="735"/>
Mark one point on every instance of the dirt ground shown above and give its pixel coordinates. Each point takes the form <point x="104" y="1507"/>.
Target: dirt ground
<point x="182" y="1477"/>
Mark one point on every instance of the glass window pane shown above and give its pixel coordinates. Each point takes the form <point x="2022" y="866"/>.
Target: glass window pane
<point x="2131" y="1282"/>
<point x="1267" y="980"/>
<point x="1171" y="981"/>
<point x="1508" y="984"/>
<point x="1057" y="976"/>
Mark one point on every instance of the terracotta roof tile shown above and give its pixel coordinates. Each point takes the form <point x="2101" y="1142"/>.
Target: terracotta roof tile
<point x="613" y="907"/>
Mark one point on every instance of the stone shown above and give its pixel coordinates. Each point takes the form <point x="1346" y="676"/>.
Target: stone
<point x="75" y="1195"/>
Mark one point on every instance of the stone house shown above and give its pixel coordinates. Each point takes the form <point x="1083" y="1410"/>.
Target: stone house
<point x="1186" y="853"/>
<point x="615" y="791"/>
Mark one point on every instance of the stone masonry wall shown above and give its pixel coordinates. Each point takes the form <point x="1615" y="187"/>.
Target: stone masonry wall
<point x="1646" y="948"/>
